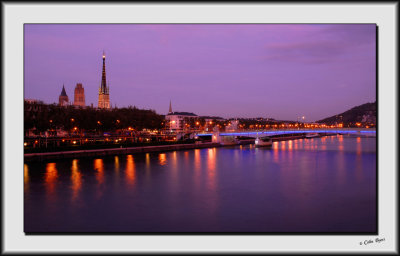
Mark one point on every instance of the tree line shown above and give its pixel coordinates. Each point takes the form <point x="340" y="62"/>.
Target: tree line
<point x="44" y="117"/>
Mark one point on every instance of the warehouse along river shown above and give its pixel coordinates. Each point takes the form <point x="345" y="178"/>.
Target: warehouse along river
<point x="325" y="184"/>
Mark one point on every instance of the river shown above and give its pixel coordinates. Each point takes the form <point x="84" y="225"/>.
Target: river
<point x="325" y="184"/>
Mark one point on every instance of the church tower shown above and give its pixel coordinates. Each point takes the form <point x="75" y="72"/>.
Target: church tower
<point x="79" y="96"/>
<point x="104" y="96"/>
<point x="170" y="108"/>
<point x="63" y="98"/>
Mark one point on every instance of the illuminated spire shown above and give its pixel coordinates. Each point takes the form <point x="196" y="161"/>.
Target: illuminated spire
<point x="103" y="88"/>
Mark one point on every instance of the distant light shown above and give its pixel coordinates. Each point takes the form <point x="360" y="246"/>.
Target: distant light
<point x="25" y="144"/>
<point x="74" y="142"/>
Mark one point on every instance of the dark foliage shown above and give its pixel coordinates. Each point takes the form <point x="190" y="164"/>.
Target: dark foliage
<point x="45" y="117"/>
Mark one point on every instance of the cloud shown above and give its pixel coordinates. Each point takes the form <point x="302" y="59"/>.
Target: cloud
<point x="307" y="52"/>
<point x="327" y="44"/>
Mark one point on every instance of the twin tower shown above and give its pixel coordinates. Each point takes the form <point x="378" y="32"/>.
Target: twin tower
<point x="79" y="95"/>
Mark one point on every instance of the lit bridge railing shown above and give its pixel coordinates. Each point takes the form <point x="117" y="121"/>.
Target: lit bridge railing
<point x="276" y="132"/>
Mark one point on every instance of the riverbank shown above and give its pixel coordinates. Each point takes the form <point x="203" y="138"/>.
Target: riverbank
<point x="32" y="157"/>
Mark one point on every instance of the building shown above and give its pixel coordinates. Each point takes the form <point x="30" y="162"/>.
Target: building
<point x="79" y="96"/>
<point x="177" y="121"/>
<point x="104" y="95"/>
<point x="63" y="98"/>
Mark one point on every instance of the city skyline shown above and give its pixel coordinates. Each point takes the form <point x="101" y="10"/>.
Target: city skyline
<point x="264" y="70"/>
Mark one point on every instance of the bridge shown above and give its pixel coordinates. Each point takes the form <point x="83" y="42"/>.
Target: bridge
<point x="227" y="136"/>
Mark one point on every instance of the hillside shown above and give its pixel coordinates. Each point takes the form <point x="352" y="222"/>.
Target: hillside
<point x="364" y="114"/>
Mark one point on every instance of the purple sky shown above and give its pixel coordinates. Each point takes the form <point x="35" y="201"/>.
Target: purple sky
<point x="278" y="71"/>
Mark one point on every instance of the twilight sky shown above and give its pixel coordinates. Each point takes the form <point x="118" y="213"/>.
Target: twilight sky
<point x="248" y="70"/>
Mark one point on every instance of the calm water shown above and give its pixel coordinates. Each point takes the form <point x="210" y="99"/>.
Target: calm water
<point x="317" y="185"/>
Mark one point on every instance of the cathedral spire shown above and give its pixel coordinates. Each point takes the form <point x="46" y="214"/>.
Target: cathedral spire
<point x="63" y="93"/>
<point x="103" y="75"/>
<point x="104" y="94"/>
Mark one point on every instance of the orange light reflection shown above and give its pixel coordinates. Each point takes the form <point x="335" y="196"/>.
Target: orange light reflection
<point x="50" y="178"/>
<point x="99" y="167"/>
<point x="76" y="179"/>
<point x="162" y="159"/>
<point x="26" y="178"/>
<point x="130" y="169"/>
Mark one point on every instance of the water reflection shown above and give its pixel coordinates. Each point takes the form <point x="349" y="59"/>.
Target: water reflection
<point x="76" y="179"/>
<point x="275" y="147"/>
<point x="211" y="179"/>
<point x="290" y="150"/>
<point x="99" y="167"/>
<point x="162" y="159"/>
<point x="359" y="148"/>
<point x="197" y="160"/>
<point x="26" y="178"/>
<point x="50" y="179"/>
<point x="116" y="164"/>
<point x="211" y="159"/>
<point x="290" y="145"/>
<point x="283" y="145"/>
<point x="286" y="188"/>
<point x="186" y="157"/>
<point x="359" y="162"/>
<point x="130" y="170"/>
<point x="147" y="161"/>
